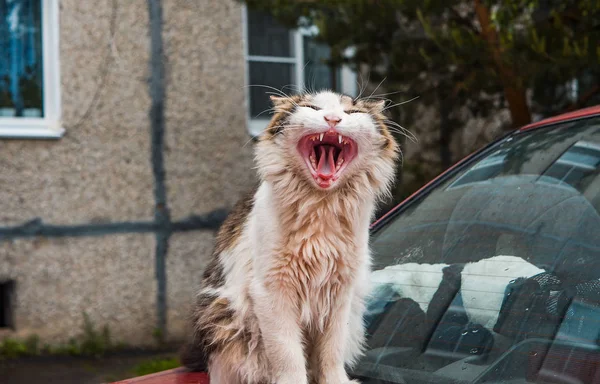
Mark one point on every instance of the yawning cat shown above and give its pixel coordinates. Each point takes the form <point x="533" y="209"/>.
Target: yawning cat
<point x="282" y="299"/>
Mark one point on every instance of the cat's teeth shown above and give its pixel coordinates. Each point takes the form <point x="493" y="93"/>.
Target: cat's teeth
<point x="339" y="163"/>
<point x="340" y="139"/>
<point x="321" y="137"/>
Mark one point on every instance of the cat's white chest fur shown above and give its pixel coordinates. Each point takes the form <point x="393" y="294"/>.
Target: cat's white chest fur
<point x="325" y="253"/>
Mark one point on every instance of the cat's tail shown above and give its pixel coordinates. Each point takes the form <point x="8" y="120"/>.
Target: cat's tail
<point x="193" y="357"/>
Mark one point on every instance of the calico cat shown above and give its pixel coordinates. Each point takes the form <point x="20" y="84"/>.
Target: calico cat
<point x="283" y="298"/>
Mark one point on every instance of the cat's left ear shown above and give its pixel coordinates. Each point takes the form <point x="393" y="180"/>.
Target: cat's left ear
<point x="377" y="106"/>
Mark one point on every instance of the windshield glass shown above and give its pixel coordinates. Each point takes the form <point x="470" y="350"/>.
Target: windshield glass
<point x="493" y="277"/>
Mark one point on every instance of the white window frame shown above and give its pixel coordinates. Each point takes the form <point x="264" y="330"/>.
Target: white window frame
<point x="348" y="77"/>
<point x="49" y="126"/>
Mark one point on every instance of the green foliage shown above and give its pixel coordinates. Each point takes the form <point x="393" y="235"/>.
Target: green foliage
<point x="155" y="365"/>
<point x="32" y="345"/>
<point x="94" y="343"/>
<point x="11" y="348"/>
<point x="91" y="343"/>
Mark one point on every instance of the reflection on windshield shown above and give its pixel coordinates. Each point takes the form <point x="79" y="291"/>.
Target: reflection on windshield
<point x="577" y="166"/>
<point x="494" y="277"/>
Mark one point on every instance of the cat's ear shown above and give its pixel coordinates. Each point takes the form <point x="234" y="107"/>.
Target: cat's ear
<point x="278" y="101"/>
<point x="378" y="106"/>
<point x="285" y="101"/>
<point x="374" y="106"/>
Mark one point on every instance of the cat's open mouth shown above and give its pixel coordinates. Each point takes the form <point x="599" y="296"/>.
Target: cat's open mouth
<point x="327" y="155"/>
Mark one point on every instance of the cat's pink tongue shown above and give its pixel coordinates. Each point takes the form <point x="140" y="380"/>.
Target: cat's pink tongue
<point x="326" y="166"/>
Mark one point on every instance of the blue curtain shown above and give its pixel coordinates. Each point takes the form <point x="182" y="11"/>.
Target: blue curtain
<point x="21" y="55"/>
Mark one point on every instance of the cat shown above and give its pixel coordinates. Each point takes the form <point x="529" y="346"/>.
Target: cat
<point x="282" y="300"/>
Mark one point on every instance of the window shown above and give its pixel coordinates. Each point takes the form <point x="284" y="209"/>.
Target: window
<point x="29" y="69"/>
<point x="287" y="60"/>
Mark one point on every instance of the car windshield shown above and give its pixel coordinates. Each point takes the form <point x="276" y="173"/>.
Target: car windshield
<point x="494" y="275"/>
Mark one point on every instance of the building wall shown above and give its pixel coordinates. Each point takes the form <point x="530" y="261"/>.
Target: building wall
<point x="100" y="172"/>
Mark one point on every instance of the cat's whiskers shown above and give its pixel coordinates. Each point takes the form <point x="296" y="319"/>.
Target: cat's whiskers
<point x="279" y="92"/>
<point x="292" y="87"/>
<point x="376" y="88"/>
<point x="363" y="85"/>
<point x="380" y="95"/>
<point x="290" y="99"/>
<point x="397" y="128"/>
<point x="274" y="109"/>
<point x="401" y="103"/>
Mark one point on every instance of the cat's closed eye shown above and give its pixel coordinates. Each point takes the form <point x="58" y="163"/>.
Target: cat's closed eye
<point x="312" y="107"/>
<point x="351" y="111"/>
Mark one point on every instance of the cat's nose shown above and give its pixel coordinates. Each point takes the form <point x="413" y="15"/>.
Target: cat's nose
<point x="332" y="120"/>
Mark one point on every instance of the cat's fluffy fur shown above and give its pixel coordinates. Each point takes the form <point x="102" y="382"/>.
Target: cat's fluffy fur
<point x="282" y="300"/>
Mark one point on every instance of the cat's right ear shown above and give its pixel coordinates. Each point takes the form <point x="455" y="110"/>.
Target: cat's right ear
<point x="278" y="101"/>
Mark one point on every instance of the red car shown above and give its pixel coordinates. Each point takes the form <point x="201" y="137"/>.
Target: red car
<point x="491" y="272"/>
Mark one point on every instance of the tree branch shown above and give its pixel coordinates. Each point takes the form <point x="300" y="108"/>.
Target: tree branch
<point x="514" y="92"/>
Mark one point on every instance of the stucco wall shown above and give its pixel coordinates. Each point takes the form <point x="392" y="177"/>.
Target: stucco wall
<point x="208" y="151"/>
<point x="57" y="280"/>
<point x="100" y="171"/>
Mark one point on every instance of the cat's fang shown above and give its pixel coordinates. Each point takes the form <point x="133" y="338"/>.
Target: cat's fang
<point x="340" y="139"/>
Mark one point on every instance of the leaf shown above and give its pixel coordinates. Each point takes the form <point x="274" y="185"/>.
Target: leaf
<point x="426" y="26"/>
<point x="424" y="54"/>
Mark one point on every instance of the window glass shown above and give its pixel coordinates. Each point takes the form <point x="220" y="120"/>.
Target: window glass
<point x="266" y="37"/>
<point x="318" y="74"/>
<point x="276" y="75"/>
<point x="21" y="82"/>
<point x="494" y="276"/>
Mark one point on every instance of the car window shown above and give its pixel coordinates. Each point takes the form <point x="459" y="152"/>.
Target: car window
<point x="494" y="276"/>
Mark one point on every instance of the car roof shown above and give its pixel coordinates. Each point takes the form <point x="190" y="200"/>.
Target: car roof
<point x="578" y="114"/>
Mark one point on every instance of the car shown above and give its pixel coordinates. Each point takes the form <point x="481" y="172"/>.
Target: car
<point x="490" y="273"/>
